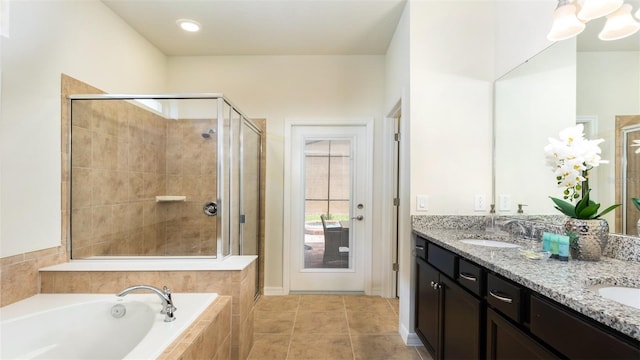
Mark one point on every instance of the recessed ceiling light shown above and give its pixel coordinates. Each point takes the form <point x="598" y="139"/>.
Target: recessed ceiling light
<point x="188" y="25"/>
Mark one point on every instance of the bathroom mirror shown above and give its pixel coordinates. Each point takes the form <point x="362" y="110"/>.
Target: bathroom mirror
<point x="583" y="79"/>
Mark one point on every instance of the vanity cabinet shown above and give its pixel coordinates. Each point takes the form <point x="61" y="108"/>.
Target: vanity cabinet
<point x="466" y="311"/>
<point x="448" y="317"/>
<point x="574" y="336"/>
<point x="507" y="341"/>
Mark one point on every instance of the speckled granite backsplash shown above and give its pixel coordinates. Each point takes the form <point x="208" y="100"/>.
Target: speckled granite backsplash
<point x="619" y="247"/>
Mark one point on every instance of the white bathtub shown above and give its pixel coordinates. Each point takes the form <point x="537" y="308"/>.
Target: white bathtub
<point x="80" y="326"/>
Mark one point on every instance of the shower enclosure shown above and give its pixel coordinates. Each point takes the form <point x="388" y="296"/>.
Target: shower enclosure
<point x="163" y="176"/>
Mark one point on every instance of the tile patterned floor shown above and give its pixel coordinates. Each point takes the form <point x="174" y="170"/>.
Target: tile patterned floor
<point x="329" y="327"/>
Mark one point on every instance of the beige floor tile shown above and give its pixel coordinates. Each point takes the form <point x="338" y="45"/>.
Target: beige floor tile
<point x="312" y="322"/>
<point x="321" y="303"/>
<point x="395" y="305"/>
<point x="320" y="347"/>
<point x="278" y="303"/>
<point x="273" y="326"/>
<point x="269" y="347"/>
<point x="273" y="322"/>
<point x="381" y="323"/>
<point x="382" y="347"/>
<point x="329" y="327"/>
<point x="366" y="303"/>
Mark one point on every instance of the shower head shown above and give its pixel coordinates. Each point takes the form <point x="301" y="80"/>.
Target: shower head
<point x="208" y="133"/>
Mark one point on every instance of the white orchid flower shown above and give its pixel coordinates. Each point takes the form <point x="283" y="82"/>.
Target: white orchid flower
<point x="571" y="156"/>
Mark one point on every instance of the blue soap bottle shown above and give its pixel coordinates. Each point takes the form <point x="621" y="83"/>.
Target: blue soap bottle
<point x="563" y="248"/>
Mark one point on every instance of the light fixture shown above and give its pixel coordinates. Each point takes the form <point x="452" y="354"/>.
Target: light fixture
<point x="592" y="9"/>
<point x="620" y="24"/>
<point x="571" y="16"/>
<point x="188" y="25"/>
<point x="565" y="22"/>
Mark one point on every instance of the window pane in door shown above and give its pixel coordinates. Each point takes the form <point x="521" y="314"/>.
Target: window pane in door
<point x="327" y="177"/>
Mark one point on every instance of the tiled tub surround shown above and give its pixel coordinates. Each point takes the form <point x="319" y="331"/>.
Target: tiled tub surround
<point x="235" y="277"/>
<point x="565" y="282"/>
<point x="209" y="337"/>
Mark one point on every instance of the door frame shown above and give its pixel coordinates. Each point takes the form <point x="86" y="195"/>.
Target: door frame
<point x="368" y="211"/>
<point x="390" y="230"/>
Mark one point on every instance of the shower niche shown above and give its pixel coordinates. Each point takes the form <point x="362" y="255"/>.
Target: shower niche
<point x="163" y="176"/>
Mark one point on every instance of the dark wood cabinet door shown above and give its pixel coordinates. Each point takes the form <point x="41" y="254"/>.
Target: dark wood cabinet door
<point x="461" y="325"/>
<point x="427" y="306"/>
<point x="505" y="341"/>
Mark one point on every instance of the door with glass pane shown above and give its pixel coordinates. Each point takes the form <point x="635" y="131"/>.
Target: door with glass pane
<point x="329" y="207"/>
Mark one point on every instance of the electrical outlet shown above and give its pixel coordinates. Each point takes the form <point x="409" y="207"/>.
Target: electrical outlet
<point x="480" y="203"/>
<point x="504" y="202"/>
<point x="422" y="203"/>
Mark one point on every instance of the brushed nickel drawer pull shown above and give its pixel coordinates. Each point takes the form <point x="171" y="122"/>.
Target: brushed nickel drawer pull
<point x="501" y="298"/>
<point x="468" y="276"/>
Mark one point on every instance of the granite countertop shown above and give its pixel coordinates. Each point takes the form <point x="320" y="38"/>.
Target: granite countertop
<point x="567" y="282"/>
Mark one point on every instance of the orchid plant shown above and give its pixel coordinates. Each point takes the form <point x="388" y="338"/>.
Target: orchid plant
<point x="571" y="157"/>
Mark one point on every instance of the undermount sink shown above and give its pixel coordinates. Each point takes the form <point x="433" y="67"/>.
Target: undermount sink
<point x="624" y="295"/>
<point x="489" y="243"/>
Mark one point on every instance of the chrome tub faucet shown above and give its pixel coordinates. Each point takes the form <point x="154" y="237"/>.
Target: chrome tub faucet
<point x="165" y="295"/>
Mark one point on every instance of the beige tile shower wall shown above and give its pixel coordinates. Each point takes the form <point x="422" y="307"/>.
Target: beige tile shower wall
<point x="191" y="172"/>
<point x="119" y="162"/>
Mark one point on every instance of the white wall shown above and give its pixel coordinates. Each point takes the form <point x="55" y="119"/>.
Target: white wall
<point x="443" y="52"/>
<point x="85" y="40"/>
<point x="279" y="87"/>
<point x="451" y="100"/>
<point x="397" y="89"/>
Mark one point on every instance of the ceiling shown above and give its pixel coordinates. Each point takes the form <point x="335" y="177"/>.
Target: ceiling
<point x="265" y="27"/>
<point x="291" y="27"/>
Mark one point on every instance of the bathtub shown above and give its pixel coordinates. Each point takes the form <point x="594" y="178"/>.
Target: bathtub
<point x="81" y="326"/>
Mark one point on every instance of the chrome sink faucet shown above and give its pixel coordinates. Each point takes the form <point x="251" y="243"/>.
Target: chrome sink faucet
<point x="521" y="227"/>
<point x="165" y="295"/>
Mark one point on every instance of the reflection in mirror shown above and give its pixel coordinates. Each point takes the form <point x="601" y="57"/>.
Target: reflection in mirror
<point x="533" y="102"/>
<point x="533" y="107"/>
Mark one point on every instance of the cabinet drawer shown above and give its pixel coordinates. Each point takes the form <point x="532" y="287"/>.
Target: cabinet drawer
<point x="574" y="337"/>
<point x="442" y="259"/>
<point x="421" y="248"/>
<point x="504" y="296"/>
<point x="470" y="276"/>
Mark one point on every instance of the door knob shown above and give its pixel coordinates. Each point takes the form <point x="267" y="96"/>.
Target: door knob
<point x="359" y="217"/>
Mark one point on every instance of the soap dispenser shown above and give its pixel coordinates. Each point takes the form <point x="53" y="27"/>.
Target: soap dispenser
<point x="490" y="223"/>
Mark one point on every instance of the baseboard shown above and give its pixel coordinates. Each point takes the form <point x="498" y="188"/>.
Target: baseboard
<point x="275" y="291"/>
<point x="409" y="338"/>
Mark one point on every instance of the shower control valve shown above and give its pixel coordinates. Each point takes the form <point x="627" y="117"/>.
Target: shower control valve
<point x="210" y="209"/>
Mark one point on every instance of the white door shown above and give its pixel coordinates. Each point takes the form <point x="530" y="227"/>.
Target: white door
<point x="329" y="207"/>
